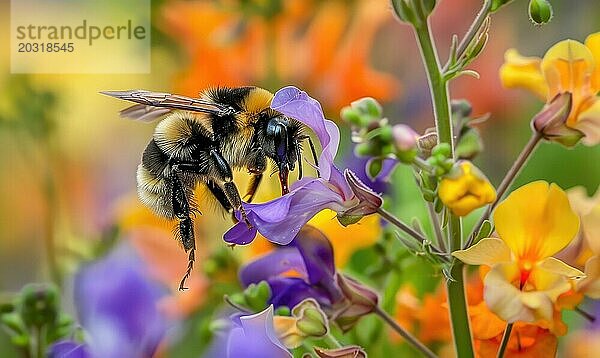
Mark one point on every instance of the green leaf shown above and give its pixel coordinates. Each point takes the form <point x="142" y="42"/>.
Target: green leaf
<point x="497" y="4"/>
<point x="485" y="231"/>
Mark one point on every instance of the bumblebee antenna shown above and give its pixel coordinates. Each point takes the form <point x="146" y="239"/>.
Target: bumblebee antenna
<point x="314" y="154"/>
<point x="299" y="155"/>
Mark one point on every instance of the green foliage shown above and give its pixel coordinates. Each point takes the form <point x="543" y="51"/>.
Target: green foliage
<point x="34" y="319"/>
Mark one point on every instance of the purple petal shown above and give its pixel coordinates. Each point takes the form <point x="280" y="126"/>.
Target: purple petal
<point x="289" y="291"/>
<point x="240" y="233"/>
<point x="304" y="203"/>
<point x="68" y="349"/>
<point x="272" y="265"/>
<point x="297" y="104"/>
<point x="256" y="338"/>
<point x="317" y="252"/>
<point x="116" y="304"/>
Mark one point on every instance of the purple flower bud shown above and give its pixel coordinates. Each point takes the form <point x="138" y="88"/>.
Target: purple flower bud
<point x="359" y="301"/>
<point x="405" y="138"/>
<point x="550" y="122"/>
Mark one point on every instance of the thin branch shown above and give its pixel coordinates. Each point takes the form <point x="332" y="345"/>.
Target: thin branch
<point x="505" y="339"/>
<point x="404" y="333"/>
<point x="392" y="219"/>
<point x="509" y="178"/>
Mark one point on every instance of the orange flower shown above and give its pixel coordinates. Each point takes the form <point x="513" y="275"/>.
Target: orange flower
<point x="322" y="46"/>
<point x="526" y="341"/>
<point x="152" y="237"/>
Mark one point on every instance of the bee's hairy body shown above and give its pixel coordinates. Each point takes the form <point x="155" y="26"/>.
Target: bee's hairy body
<point x="202" y="147"/>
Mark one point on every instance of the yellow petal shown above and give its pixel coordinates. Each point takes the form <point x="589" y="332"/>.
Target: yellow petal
<point x="523" y="72"/>
<point x="588" y="122"/>
<point x="558" y="267"/>
<point x="287" y="332"/>
<point x="346" y="240"/>
<point x="508" y="302"/>
<point x="488" y="252"/>
<point x="568" y="66"/>
<point x="593" y="44"/>
<point x="465" y="189"/>
<point x="590" y="286"/>
<point x="591" y="229"/>
<point x="536" y="221"/>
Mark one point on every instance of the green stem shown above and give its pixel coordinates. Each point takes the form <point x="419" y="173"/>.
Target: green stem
<point x="435" y="222"/>
<point x="404" y="333"/>
<point x="392" y="219"/>
<point x="437" y="85"/>
<point x="505" y="339"/>
<point x="443" y="122"/>
<point x="331" y="342"/>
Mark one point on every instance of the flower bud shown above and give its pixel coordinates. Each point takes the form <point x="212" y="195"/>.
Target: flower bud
<point x="540" y="11"/>
<point x="461" y="107"/>
<point x="342" y="352"/>
<point x="367" y="201"/>
<point x="426" y="142"/>
<point x="405" y="142"/>
<point x="359" y="301"/>
<point x="351" y="116"/>
<point x="257" y="295"/>
<point x="39" y="305"/>
<point x="465" y="189"/>
<point x="368" y="106"/>
<point x="550" y="122"/>
<point x="413" y="11"/>
<point x="307" y="320"/>
<point x="469" y="144"/>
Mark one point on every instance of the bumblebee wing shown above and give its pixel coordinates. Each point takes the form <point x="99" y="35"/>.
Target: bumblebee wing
<point x="141" y="112"/>
<point x="166" y="102"/>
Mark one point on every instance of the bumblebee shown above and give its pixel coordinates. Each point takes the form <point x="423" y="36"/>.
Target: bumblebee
<point x="200" y="141"/>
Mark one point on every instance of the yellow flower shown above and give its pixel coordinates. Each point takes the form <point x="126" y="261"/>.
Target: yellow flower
<point x="466" y="189"/>
<point x="587" y="249"/>
<point x="535" y="222"/>
<point x="568" y="66"/>
<point x="347" y="239"/>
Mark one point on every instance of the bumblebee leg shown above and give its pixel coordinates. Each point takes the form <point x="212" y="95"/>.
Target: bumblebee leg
<point x="256" y="167"/>
<point x="225" y="177"/>
<point x="181" y="209"/>
<point x="218" y="193"/>
<point x="255" y="180"/>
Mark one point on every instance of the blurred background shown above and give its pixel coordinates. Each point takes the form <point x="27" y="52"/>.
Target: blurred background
<point x="68" y="162"/>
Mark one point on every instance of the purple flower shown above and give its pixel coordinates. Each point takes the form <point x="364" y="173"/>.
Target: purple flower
<point x="306" y="269"/>
<point x="68" y="349"/>
<point x="250" y="336"/>
<point x="279" y="220"/>
<point x="116" y="305"/>
<point x="310" y="258"/>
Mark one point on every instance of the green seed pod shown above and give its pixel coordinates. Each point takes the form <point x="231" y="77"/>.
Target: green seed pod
<point x="540" y="11"/>
<point x="365" y="149"/>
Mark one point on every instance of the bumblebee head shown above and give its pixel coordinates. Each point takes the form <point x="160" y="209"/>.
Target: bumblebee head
<point x="282" y="146"/>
